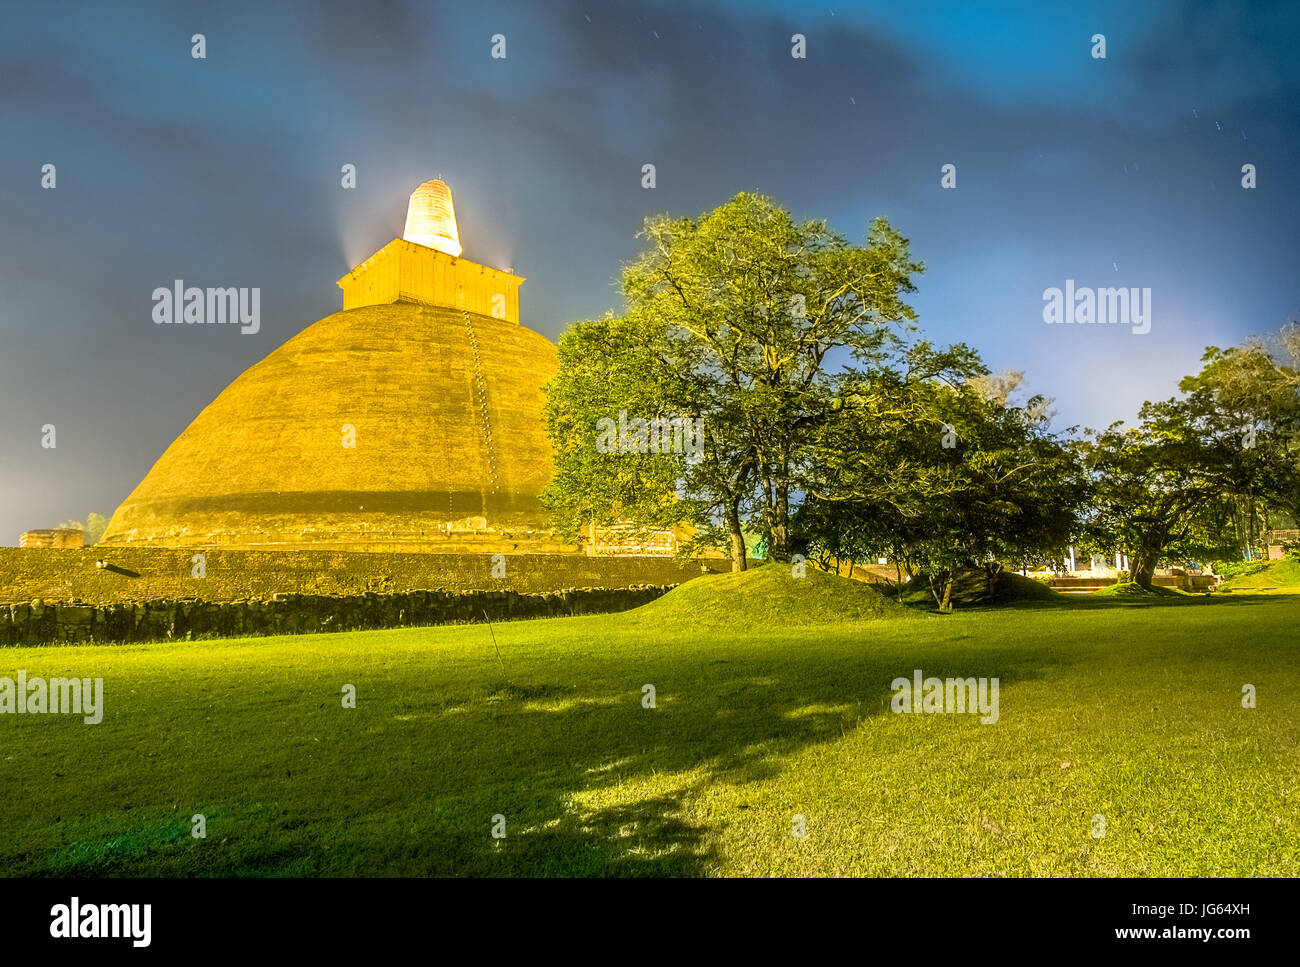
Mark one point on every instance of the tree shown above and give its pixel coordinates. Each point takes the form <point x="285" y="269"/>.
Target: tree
<point x="93" y="529"/>
<point x="1255" y="390"/>
<point x="602" y="374"/>
<point x="1158" y="483"/>
<point x="928" y="465"/>
<point x="729" y="320"/>
<point x="1198" y="471"/>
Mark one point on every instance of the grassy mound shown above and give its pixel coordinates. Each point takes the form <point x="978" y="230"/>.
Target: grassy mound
<point x="1283" y="575"/>
<point x="972" y="588"/>
<point x="1129" y="589"/>
<point x="770" y="596"/>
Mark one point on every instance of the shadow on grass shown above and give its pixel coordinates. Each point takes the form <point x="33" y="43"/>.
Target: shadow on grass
<point x="645" y="837"/>
<point x="590" y="782"/>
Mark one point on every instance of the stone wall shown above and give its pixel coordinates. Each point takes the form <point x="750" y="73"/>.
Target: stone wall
<point x="138" y="574"/>
<point x="38" y="623"/>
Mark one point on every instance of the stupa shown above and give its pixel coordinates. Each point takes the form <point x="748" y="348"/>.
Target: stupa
<point x="411" y="420"/>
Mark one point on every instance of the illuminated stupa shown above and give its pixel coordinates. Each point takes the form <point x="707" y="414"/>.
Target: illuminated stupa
<point x="411" y="420"/>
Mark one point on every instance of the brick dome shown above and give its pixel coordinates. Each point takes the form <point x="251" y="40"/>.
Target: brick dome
<point x="451" y="450"/>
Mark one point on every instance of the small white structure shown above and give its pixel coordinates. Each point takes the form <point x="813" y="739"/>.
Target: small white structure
<point x="431" y="218"/>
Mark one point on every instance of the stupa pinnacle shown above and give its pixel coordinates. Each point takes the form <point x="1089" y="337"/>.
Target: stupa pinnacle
<point x="431" y="219"/>
<point x="425" y="266"/>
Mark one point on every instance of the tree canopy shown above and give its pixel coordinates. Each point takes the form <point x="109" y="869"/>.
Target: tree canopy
<point x="828" y="429"/>
<point x="729" y="320"/>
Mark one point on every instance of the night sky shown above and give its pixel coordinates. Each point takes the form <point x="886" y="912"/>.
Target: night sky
<point x="226" y="172"/>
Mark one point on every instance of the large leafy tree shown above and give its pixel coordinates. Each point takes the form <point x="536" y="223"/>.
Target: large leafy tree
<point x="1197" y="471"/>
<point x="606" y="370"/>
<point x="1159" y="484"/>
<point x="928" y="463"/>
<point x="730" y="318"/>
<point x="1254" y="391"/>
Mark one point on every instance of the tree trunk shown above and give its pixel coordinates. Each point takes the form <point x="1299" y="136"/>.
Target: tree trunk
<point x="780" y="549"/>
<point x="737" y="536"/>
<point x="1142" y="566"/>
<point x="991" y="572"/>
<point x="944" y="599"/>
<point x="776" y="509"/>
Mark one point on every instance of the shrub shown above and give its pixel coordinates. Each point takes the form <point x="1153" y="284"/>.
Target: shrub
<point x="1232" y="569"/>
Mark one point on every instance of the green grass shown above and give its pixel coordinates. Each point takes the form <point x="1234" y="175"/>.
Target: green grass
<point x="1279" y="576"/>
<point x="1127" y="709"/>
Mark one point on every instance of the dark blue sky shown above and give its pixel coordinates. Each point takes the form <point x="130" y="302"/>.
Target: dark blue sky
<point x="225" y="171"/>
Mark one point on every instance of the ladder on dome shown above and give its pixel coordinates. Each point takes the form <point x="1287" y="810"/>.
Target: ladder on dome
<point x="480" y="392"/>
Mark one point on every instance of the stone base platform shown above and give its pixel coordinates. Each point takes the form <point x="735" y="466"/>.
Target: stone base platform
<point x="136" y="574"/>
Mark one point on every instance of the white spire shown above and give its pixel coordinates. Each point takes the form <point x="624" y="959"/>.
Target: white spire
<point x="431" y="219"/>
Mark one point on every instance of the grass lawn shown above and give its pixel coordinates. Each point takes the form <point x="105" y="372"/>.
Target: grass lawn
<point x="1126" y="709"/>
